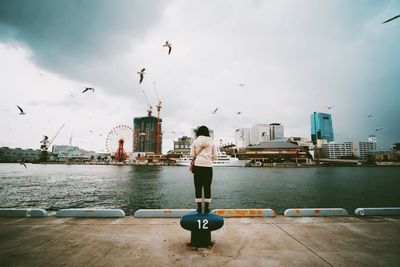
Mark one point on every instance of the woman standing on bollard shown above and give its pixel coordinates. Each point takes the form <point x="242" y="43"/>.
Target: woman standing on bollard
<point x="203" y="151"/>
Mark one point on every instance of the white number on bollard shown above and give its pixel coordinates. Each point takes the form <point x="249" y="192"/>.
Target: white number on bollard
<point x="205" y="222"/>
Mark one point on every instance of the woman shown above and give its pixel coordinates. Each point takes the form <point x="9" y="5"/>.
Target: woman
<point x="204" y="152"/>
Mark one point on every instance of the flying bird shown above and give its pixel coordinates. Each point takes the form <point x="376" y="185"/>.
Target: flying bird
<point x="168" y="44"/>
<point x="141" y="73"/>
<point x="241" y="84"/>
<point x="329" y="107"/>
<point x="21" y="110"/>
<point x="215" y="111"/>
<point x="398" y="16"/>
<point x="368" y="116"/>
<point x="238" y="113"/>
<point x="22" y="163"/>
<point x="87" y="89"/>
<point x="378" y="129"/>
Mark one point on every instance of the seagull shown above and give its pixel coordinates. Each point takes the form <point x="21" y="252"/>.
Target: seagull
<point x="87" y="89"/>
<point x="141" y="73"/>
<point x="91" y="131"/>
<point x="368" y="116"/>
<point x="215" y="111"/>
<point x="378" y="129"/>
<point x="22" y="163"/>
<point x="168" y="44"/>
<point x="241" y="84"/>
<point x="238" y="113"/>
<point x="329" y="107"/>
<point x="41" y="74"/>
<point x="21" y="110"/>
<point x="398" y="16"/>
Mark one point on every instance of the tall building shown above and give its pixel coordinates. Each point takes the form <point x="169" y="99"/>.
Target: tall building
<point x="365" y="149"/>
<point x="242" y="137"/>
<point x="276" y="131"/>
<point x="321" y="127"/>
<point x="145" y="135"/>
<point x="338" y="151"/>
<point x="372" y="138"/>
<point x="259" y="133"/>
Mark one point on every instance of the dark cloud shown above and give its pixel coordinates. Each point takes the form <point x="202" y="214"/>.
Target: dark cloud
<point x="66" y="35"/>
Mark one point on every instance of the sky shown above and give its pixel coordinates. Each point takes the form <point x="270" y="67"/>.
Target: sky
<point x="293" y="57"/>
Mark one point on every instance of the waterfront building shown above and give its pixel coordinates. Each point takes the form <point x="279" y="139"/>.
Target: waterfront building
<point x="18" y="154"/>
<point x="365" y="149"/>
<point x="181" y="147"/>
<point x="277" y="151"/>
<point x="372" y="139"/>
<point x="276" y="131"/>
<point x="259" y="133"/>
<point x="242" y="138"/>
<point x="145" y="135"/>
<point x="333" y="150"/>
<point x="303" y="142"/>
<point x="72" y="153"/>
<point x="321" y="127"/>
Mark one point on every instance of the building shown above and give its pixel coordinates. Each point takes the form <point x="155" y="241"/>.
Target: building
<point x="372" y="138"/>
<point x="332" y="150"/>
<point x="276" y="151"/>
<point x="242" y="137"/>
<point x="276" y="131"/>
<point x="365" y="149"/>
<point x="321" y="127"/>
<point x="145" y="135"/>
<point x="73" y="153"/>
<point x="181" y="146"/>
<point x="259" y="133"/>
<point x="18" y="154"/>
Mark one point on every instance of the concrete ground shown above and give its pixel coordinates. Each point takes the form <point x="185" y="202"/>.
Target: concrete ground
<point x="280" y="241"/>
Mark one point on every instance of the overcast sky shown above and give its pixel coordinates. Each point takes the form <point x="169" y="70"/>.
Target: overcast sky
<point x="293" y="57"/>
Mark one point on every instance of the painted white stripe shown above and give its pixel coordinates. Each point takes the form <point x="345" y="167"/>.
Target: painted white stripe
<point x="395" y="211"/>
<point x="198" y="200"/>
<point x="23" y="212"/>
<point x="91" y="213"/>
<point x="161" y="213"/>
<point x="207" y="200"/>
<point x="316" y="212"/>
<point x="245" y="212"/>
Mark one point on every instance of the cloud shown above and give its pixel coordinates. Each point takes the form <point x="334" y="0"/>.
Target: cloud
<point x="293" y="57"/>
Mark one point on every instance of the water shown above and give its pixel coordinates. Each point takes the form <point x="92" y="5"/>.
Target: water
<point x="54" y="187"/>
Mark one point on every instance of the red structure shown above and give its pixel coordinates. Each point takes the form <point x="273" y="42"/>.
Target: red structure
<point x="120" y="154"/>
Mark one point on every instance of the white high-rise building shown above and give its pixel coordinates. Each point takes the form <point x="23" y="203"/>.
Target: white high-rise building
<point x="276" y="131"/>
<point x="337" y="151"/>
<point x="259" y="133"/>
<point x="242" y="137"/>
<point x="366" y="148"/>
<point x="372" y="139"/>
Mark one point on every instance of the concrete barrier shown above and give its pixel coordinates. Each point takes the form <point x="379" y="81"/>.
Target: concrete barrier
<point x="245" y="212"/>
<point x="91" y="213"/>
<point x="395" y="211"/>
<point x="161" y="213"/>
<point x="322" y="212"/>
<point x="35" y="213"/>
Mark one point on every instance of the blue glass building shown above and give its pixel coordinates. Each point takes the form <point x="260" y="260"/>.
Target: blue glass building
<point x="321" y="127"/>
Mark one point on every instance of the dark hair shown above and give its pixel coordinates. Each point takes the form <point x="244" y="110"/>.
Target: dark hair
<point x="202" y="130"/>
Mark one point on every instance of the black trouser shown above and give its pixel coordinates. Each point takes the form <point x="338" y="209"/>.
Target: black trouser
<point x="203" y="178"/>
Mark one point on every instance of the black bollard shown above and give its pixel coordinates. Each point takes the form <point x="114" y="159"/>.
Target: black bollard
<point x="200" y="225"/>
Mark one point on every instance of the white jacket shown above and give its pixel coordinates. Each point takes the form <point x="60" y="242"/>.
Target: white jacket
<point x="207" y="155"/>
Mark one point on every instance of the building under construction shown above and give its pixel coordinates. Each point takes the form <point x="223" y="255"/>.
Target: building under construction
<point x="147" y="134"/>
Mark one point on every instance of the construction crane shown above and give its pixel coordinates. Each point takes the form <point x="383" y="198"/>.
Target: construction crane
<point x="149" y="107"/>
<point x="46" y="143"/>
<point x="158" y="128"/>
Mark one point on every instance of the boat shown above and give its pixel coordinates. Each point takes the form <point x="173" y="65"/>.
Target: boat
<point x="223" y="160"/>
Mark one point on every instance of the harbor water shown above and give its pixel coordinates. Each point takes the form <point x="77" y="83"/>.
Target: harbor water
<point x="54" y="187"/>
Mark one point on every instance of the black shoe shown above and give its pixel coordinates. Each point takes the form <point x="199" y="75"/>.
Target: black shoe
<point x="206" y="208"/>
<point x="199" y="207"/>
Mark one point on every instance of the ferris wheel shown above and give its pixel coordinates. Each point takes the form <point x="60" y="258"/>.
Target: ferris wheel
<point x="114" y="137"/>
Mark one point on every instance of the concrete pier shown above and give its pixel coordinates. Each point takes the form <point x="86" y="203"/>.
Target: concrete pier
<point x="129" y="241"/>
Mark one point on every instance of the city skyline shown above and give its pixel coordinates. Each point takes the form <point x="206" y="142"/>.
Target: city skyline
<point x="280" y="71"/>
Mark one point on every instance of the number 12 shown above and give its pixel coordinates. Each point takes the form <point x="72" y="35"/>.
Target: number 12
<point x="205" y="222"/>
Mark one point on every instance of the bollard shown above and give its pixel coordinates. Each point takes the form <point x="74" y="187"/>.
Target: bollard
<point x="200" y="225"/>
